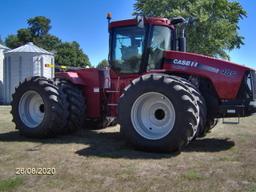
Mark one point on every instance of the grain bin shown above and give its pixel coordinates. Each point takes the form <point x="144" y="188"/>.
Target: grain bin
<point x="2" y="50"/>
<point x="25" y="61"/>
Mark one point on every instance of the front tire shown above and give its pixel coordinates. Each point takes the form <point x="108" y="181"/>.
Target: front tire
<point x="156" y="113"/>
<point x="201" y="104"/>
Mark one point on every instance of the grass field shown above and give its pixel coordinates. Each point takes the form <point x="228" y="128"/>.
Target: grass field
<point x="101" y="161"/>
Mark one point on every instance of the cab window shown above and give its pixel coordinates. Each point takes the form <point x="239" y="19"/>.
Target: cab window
<point x="160" y="41"/>
<point x="127" y="49"/>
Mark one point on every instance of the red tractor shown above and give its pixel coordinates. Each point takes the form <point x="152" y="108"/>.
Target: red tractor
<point x="162" y="96"/>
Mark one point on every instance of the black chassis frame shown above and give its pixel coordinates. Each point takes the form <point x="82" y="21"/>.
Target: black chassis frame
<point x="242" y="106"/>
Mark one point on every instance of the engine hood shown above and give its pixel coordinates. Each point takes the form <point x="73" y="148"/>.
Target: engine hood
<point x="219" y="72"/>
<point x="195" y="60"/>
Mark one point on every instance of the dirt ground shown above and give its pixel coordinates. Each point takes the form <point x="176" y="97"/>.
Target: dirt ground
<point x="91" y="161"/>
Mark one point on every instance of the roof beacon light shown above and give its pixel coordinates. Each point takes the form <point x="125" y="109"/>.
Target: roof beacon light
<point x="177" y="20"/>
<point x="109" y="17"/>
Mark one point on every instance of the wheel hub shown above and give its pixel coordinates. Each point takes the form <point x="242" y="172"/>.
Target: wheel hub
<point x="41" y="108"/>
<point x="31" y="109"/>
<point x="159" y="114"/>
<point x="153" y="115"/>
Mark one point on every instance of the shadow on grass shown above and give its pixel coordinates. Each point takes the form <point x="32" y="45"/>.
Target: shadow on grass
<point x="112" y="145"/>
<point x="210" y="145"/>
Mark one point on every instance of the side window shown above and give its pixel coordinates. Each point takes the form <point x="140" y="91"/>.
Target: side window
<point x="127" y="49"/>
<point x="160" y="41"/>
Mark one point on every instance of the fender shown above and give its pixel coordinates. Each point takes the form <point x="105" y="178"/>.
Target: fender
<point x="90" y="77"/>
<point x="91" y="82"/>
<point x="226" y="77"/>
<point x="72" y="77"/>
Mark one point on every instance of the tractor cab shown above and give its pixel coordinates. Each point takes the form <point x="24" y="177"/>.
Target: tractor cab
<point x="138" y="45"/>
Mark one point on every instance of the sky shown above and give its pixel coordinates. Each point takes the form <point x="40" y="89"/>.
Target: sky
<point x="85" y="21"/>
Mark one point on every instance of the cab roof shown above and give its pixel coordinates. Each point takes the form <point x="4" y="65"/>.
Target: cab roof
<point x="147" y="20"/>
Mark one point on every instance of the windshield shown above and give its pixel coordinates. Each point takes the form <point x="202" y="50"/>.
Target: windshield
<point x="127" y="49"/>
<point x="160" y="41"/>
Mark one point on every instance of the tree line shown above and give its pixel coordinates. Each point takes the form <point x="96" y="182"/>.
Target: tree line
<point x="66" y="53"/>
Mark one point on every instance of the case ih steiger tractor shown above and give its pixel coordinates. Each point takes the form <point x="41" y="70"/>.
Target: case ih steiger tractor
<point x="162" y="96"/>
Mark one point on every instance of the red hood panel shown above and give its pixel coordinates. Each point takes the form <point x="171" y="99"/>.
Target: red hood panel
<point x="202" y="58"/>
<point x="225" y="76"/>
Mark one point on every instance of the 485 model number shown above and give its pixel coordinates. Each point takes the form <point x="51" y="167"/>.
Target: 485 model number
<point x="35" y="171"/>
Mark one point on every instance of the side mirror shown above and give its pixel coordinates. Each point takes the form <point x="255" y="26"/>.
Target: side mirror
<point x="140" y="21"/>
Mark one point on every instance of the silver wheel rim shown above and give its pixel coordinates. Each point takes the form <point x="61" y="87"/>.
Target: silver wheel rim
<point x="31" y="109"/>
<point x="153" y="115"/>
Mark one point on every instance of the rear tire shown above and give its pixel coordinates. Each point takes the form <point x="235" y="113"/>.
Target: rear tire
<point x="39" y="108"/>
<point x="171" y="100"/>
<point x="76" y="105"/>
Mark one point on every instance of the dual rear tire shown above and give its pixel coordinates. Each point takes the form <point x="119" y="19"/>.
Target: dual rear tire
<point x="39" y="108"/>
<point x="42" y="108"/>
<point x="76" y="105"/>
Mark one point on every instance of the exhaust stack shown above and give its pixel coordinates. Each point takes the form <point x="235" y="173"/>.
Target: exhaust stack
<point x="182" y="42"/>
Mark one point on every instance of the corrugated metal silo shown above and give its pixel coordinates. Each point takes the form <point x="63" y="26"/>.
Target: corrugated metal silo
<point x="25" y="61"/>
<point x="2" y="50"/>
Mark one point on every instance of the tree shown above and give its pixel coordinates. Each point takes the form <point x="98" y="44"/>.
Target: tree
<point x="48" y="42"/>
<point x="1" y="40"/>
<point x="12" y="41"/>
<point x="103" y="64"/>
<point x="215" y="31"/>
<point x="24" y="36"/>
<point x="69" y="54"/>
<point x="39" y="26"/>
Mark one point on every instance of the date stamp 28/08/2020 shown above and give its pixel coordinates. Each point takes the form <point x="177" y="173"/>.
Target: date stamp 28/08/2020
<point x="35" y="171"/>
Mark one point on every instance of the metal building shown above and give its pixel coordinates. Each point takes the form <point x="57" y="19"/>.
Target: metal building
<point x="2" y="50"/>
<point x="25" y="61"/>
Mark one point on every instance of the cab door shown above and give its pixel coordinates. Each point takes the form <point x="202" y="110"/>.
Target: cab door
<point x="126" y="54"/>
